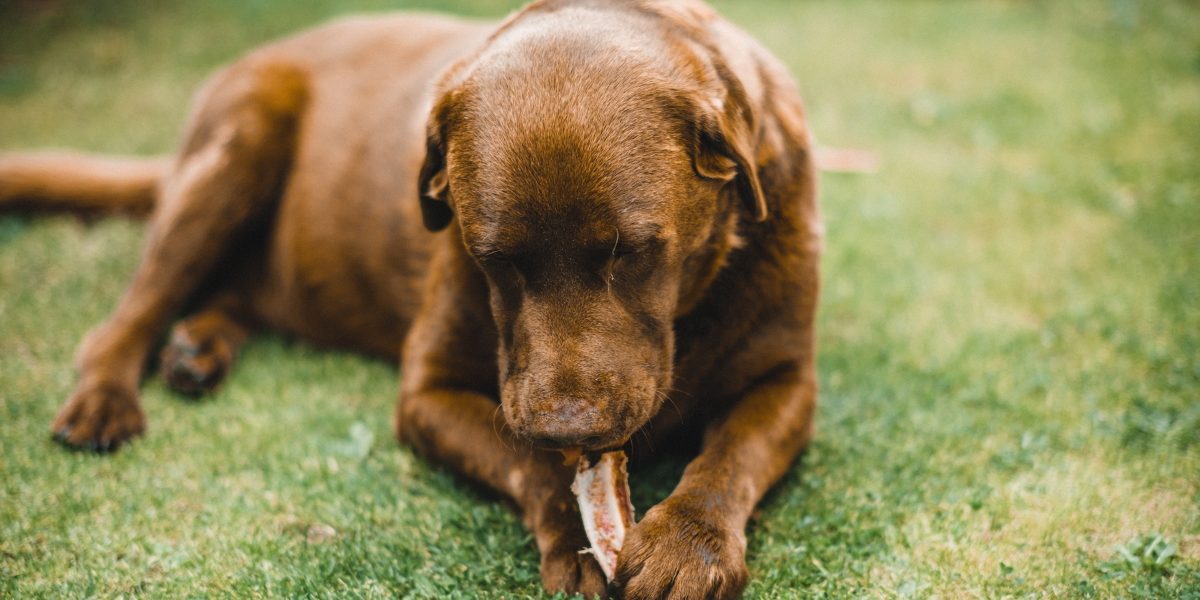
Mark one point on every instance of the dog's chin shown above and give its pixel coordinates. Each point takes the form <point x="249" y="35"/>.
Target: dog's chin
<point x="607" y="443"/>
<point x="616" y="443"/>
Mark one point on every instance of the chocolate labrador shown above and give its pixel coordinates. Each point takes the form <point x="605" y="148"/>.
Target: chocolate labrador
<point x="629" y="239"/>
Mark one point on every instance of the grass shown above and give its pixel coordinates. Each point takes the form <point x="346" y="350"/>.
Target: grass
<point x="1010" y="329"/>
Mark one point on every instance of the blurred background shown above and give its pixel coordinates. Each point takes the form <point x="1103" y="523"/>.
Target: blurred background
<point x="1009" y="334"/>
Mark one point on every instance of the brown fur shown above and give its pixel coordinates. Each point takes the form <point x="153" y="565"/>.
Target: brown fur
<point x="630" y="246"/>
<point x="79" y="183"/>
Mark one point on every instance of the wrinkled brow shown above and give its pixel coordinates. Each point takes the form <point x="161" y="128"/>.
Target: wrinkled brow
<point x="637" y="234"/>
<point x="493" y="237"/>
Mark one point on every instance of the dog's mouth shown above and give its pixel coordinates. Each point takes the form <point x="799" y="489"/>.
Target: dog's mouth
<point x="573" y="454"/>
<point x="572" y="451"/>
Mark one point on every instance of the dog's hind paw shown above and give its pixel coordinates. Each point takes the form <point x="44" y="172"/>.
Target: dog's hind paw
<point x="193" y="365"/>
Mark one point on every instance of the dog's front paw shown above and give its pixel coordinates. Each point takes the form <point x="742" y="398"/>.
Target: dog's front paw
<point x="565" y="569"/>
<point x="679" y="551"/>
<point x="99" y="418"/>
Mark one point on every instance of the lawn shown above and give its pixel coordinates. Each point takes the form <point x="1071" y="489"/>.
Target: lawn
<point x="1009" y="334"/>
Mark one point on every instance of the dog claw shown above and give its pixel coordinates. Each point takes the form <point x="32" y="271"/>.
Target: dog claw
<point x="62" y="438"/>
<point x="93" y="446"/>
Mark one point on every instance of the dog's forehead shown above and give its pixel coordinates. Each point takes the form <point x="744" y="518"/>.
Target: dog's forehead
<point x="506" y="223"/>
<point x="570" y="130"/>
<point x="579" y="175"/>
<point x="581" y="172"/>
<point x="604" y="83"/>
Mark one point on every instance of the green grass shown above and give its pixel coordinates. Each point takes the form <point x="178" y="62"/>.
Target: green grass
<point x="1010" y="329"/>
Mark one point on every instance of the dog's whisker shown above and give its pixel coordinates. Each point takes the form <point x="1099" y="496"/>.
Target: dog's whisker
<point x="679" y="391"/>
<point x="667" y="399"/>
<point x="504" y="439"/>
<point x="648" y="438"/>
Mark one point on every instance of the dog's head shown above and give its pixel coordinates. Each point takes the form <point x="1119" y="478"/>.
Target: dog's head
<point x="597" y="178"/>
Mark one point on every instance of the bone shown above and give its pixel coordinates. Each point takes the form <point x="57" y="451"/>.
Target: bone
<point x="602" y="490"/>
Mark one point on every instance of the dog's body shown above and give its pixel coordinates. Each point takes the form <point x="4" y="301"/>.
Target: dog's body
<point x="629" y="200"/>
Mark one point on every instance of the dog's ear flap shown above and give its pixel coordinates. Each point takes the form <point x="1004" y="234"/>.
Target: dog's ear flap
<point x="433" y="185"/>
<point x="724" y="146"/>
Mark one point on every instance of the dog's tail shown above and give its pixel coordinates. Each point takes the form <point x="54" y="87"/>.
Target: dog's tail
<point x="79" y="183"/>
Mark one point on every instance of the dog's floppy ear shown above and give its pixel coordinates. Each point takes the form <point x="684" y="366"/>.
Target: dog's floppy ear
<point x="433" y="182"/>
<point x="724" y="144"/>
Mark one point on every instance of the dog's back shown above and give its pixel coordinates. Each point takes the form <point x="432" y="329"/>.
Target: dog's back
<point x="344" y="250"/>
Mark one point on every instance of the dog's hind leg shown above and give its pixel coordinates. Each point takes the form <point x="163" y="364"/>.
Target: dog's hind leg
<point x="234" y="163"/>
<point x="201" y="348"/>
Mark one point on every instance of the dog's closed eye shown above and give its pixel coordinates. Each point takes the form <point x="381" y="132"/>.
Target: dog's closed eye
<point x="496" y="257"/>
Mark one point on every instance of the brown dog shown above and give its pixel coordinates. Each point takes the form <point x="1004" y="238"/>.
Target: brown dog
<point x="627" y="196"/>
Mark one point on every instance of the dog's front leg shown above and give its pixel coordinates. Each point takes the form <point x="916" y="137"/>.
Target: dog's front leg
<point x="461" y="430"/>
<point x="693" y="544"/>
<point x="448" y="412"/>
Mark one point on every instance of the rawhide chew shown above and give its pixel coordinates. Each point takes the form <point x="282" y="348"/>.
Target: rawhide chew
<point x="602" y="490"/>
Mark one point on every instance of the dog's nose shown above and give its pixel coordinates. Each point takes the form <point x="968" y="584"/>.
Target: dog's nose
<point x="572" y="423"/>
